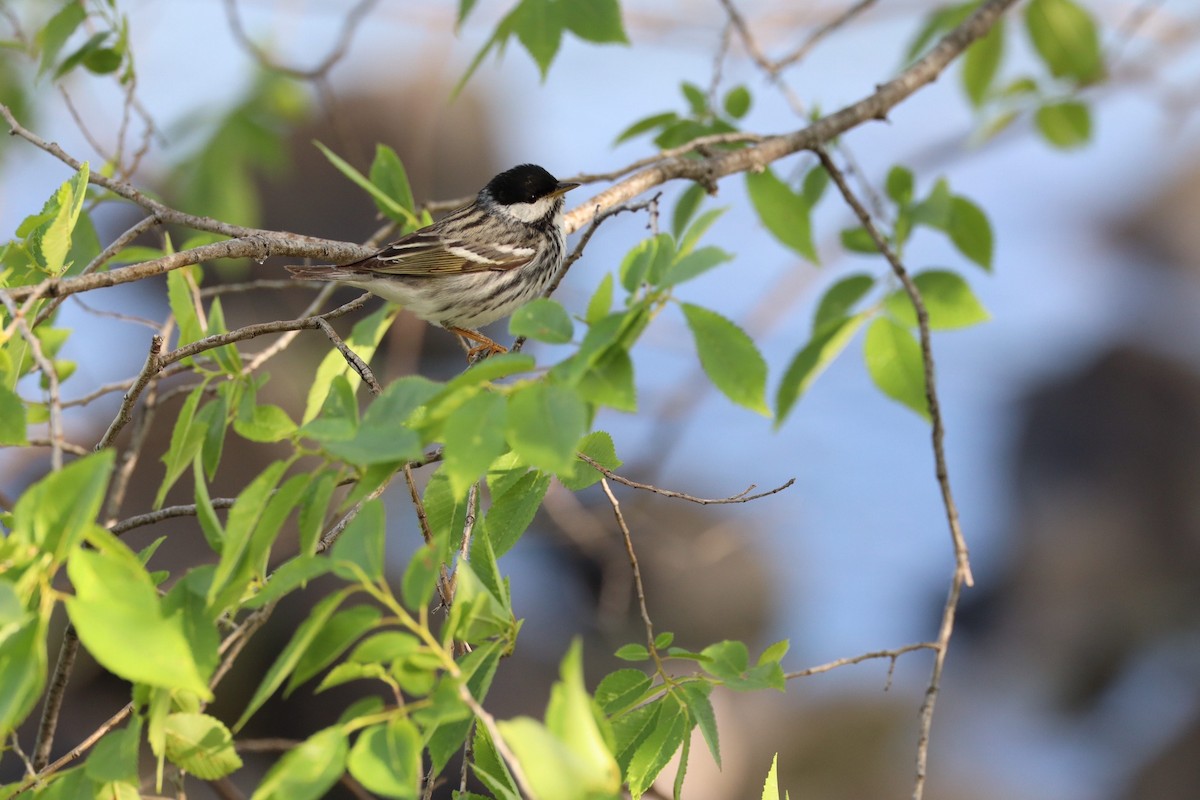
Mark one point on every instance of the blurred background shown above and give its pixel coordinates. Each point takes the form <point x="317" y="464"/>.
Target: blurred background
<point x="1073" y="417"/>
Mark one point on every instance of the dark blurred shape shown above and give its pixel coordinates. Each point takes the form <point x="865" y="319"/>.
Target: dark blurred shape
<point x="1165" y="228"/>
<point x="1107" y="552"/>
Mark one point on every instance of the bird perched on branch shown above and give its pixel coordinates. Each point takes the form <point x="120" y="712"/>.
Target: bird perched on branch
<point x="474" y="266"/>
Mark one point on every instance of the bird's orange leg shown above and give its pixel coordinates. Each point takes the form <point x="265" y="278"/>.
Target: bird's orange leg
<point x="483" y="345"/>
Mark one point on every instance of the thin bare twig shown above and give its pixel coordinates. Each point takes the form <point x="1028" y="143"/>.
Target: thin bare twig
<point x="845" y="662"/>
<point x="54" y="698"/>
<point x="962" y="567"/>
<point x="170" y="512"/>
<point x="75" y="752"/>
<point x="743" y="496"/>
<point x="349" y="26"/>
<point x="351" y="357"/>
<point x="125" y="413"/>
<point x="637" y="576"/>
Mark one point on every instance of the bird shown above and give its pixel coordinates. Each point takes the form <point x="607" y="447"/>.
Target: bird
<point x="476" y="265"/>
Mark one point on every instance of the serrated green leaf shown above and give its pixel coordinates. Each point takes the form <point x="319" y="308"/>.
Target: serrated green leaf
<point x="202" y="745"/>
<point x="894" y="363"/>
<point x="186" y="439"/>
<point x="701" y="712"/>
<point x="266" y="423"/>
<point x="693" y="264"/>
<point x="948" y="300"/>
<point x="785" y="213"/>
<point x="114" y="759"/>
<point x="363" y="340"/>
<point x="621" y="689"/>
<point x="382" y="436"/>
<point x="1065" y="125"/>
<point x="771" y="785"/>
<point x="598" y="446"/>
<point x="542" y="319"/>
<point x="513" y="510"/>
<point x="729" y="357"/>
<point x="341" y="631"/>
<point x="610" y="381"/>
<point x="12" y="418"/>
<point x="658" y="747"/>
<point x="1064" y="35"/>
<point x="633" y="652"/>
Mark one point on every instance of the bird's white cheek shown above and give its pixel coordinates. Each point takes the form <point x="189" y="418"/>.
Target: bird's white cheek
<point x="532" y="212"/>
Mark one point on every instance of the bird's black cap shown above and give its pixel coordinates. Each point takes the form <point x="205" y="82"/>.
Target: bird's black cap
<point x="524" y="183"/>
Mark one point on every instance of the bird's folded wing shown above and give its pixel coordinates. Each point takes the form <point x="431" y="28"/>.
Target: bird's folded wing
<point x="424" y="254"/>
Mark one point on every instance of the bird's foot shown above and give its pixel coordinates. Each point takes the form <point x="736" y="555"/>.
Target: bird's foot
<point x="484" y="347"/>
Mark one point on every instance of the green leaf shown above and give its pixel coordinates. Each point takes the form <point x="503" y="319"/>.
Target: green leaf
<point x="313" y="509"/>
<point x="737" y="102"/>
<point x="473" y="438"/>
<point x="186" y="439"/>
<point x="1065" y="125"/>
<point x="542" y="319"/>
<point x="342" y="630"/>
<point x="601" y="303"/>
<point x="307" y="771"/>
<point x="538" y="25"/>
<point x="621" y="689"/>
<point x="202" y="745"/>
<point x="292" y="574"/>
<point x="894" y="362"/>
<point x="490" y="768"/>
<point x="729" y="661"/>
<point x="567" y="757"/>
<point x="839" y="300"/>
<point x="286" y="662"/>
<point x="388" y="174"/>
<point x="685" y="208"/>
<point x="478" y="668"/>
<point x="1064" y="35"/>
<point x="694" y="263"/>
<point x="971" y="232"/>
<point x="391" y="207"/>
<point x="362" y="543"/>
<point x="267" y="423"/>
<point x="49" y="239"/>
<point x="729" y="357"/>
<point x="22" y="662"/>
<point x="695" y="231"/>
<point x="658" y="747"/>
<point x="859" y="240"/>
<point x="701" y="711"/>
<point x="784" y="213"/>
<point x="545" y="423"/>
<point x="244" y="516"/>
<point x="104" y="618"/>
<point x="981" y="63"/>
<point x="610" y="381"/>
<point x="363" y="340"/>
<point x="383" y="437"/>
<point x="935" y="209"/>
<point x="386" y="759"/>
<point x="513" y="510"/>
<point x="775" y="653"/>
<point x="421" y="577"/>
<point x="938" y="22"/>
<point x="56" y="512"/>
<point x="54" y="35"/>
<point x="771" y="786"/>
<point x="900" y="185"/>
<point x="647" y="124"/>
<point x="598" y="446"/>
<point x="633" y="652"/>
<point x="596" y="21"/>
<point x="115" y="757"/>
<point x="183" y="306"/>
<point x="12" y="418"/>
<point x="948" y="300"/>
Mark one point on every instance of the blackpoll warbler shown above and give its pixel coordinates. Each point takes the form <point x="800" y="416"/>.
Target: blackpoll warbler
<point x="476" y="265"/>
